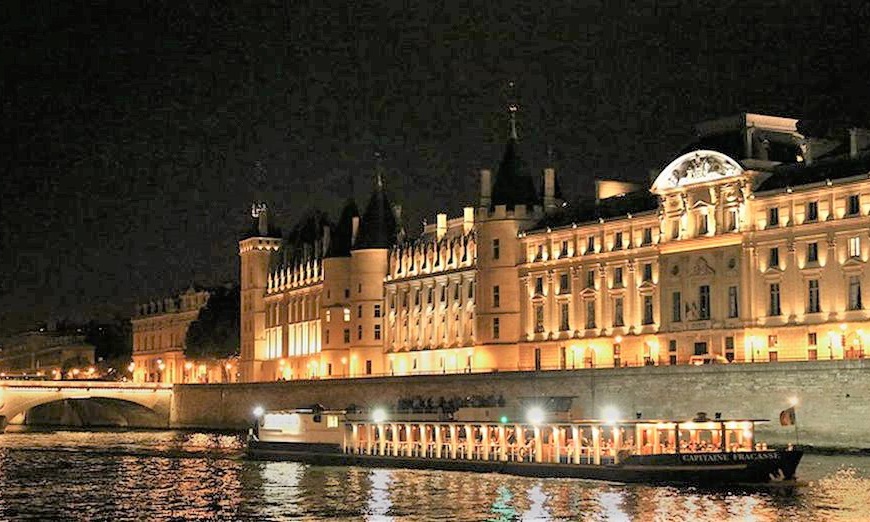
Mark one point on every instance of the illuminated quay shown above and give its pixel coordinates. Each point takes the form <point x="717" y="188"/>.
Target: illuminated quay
<point x="750" y="246"/>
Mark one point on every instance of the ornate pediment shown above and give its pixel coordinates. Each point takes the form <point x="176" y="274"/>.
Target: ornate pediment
<point x="700" y="166"/>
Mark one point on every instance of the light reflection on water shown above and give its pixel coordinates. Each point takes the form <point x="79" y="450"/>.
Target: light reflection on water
<point x="183" y="475"/>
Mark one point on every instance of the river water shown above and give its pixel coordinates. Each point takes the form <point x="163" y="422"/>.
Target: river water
<point x="175" y="475"/>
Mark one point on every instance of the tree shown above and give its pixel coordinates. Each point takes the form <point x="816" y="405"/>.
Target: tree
<point x="214" y="335"/>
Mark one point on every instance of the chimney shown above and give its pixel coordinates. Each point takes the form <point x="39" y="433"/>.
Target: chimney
<point x="467" y="219"/>
<point x="263" y="221"/>
<point x="859" y="139"/>
<point x="549" y="190"/>
<point x="354" y="229"/>
<point x="440" y="226"/>
<point x="327" y="233"/>
<point x="485" y="187"/>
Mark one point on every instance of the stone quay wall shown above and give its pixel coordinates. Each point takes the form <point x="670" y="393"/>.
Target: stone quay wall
<point x="833" y="409"/>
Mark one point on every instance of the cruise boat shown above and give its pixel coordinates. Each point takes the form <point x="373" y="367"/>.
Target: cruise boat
<point x="696" y="451"/>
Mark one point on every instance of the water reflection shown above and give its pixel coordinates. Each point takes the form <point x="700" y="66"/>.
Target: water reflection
<point x="177" y="475"/>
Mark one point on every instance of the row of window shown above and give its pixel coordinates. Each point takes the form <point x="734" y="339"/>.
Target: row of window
<point x="853" y="208"/>
<point x="854" y="250"/>
<point x="430" y="294"/>
<point x="540" y="252"/>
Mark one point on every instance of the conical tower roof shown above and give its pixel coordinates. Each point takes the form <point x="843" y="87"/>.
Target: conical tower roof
<point x="342" y="235"/>
<point x="513" y="183"/>
<point x="377" y="228"/>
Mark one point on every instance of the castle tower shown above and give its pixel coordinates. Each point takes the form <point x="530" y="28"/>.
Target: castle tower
<point x="336" y="306"/>
<point x="255" y="251"/>
<point x="509" y="206"/>
<point x="368" y="264"/>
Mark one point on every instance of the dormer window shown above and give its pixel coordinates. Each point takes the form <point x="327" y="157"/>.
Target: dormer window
<point x="590" y="245"/>
<point x="703" y="225"/>
<point x="617" y="241"/>
<point x="540" y="255"/>
<point x="564" y="251"/>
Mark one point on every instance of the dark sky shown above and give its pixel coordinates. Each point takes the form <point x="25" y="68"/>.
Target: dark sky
<point x="135" y="138"/>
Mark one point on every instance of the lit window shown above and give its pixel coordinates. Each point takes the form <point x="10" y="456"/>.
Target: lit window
<point x="328" y="316"/>
<point x="332" y="421"/>
<point x="855" y="247"/>
<point x="347" y="315"/>
<point x="377" y="332"/>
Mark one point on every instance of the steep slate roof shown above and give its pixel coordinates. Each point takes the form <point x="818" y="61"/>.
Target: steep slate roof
<point x="377" y="227"/>
<point x="341" y="240"/>
<point x="513" y="185"/>
<point x="796" y="174"/>
<point x="586" y="210"/>
<point x="307" y="232"/>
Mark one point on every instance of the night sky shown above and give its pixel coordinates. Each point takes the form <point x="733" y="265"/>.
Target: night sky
<point x="134" y="139"/>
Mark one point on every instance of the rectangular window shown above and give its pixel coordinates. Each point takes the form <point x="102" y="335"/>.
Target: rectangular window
<point x="703" y="225"/>
<point x="377" y="310"/>
<point x="647" y="309"/>
<point x="471" y="289"/>
<point x="496" y="330"/>
<point x="540" y="253"/>
<point x="617" y="241"/>
<point x="772" y="217"/>
<point x="773" y="306"/>
<point x="590" y="279"/>
<point x="590" y="314"/>
<point x="590" y="245"/>
<point x="647" y="272"/>
<point x="855" y="247"/>
<point x="853" y="207"/>
<point x="732" y="220"/>
<point x="812" y="339"/>
<point x="346" y="335"/>
<point x="729" y="349"/>
<point x="377" y="332"/>
<point x="347" y="293"/>
<point x="443" y="297"/>
<point x="813" y="296"/>
<point x="704" y="302"/>
<point x="359" y="331"/>
<point x="564" y="324"/>
<point x="672" y="352"/>
<point x="329" y="372"/>
<point x="456" y="292"/>
<point x="359" y="312"/>
<point x="564" y="250"/>
<point x="368" y="366"/>
<point x="855" y="293"/>
<point x="496" y="249"/>
<point x="405" y="298"/>
<point x="646" y="239"/>
<point x="417" y="297"/>
<point x="812" y="252"/>
<point x="701" y="348"/>
<point x="328" y="315"/>
<point x="772" y="342"/>
<point x="773" y="258"/>
<point x="617" y="277"/>
<point x="676" y="307"/>
<point x="618" y="315"/>
<point x="617" y="355"/>
<point x="539" y="318"/>
<point x="812" y="347"/>
<point x="733" y="306"/>
<point x="346" y="315"/>
<point x="564" y="284"/>
<point x="539" y="286"/>
<point x="496" y="300"/>
<point x="812" y="211"/>
<point x="429" y="294"/>
<point x="326" y="336"/>
<point x="675" y="229"/>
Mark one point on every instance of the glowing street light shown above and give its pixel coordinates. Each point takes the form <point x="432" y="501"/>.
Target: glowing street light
<point x="379" y="415"/>
<point x="793" y="401"/>
<point x="611" y="415"/>
<point x="535" y="415"/>
<point x="259" y="411"/>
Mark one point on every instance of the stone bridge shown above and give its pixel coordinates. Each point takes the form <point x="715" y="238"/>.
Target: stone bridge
<point x="17" y="398"/>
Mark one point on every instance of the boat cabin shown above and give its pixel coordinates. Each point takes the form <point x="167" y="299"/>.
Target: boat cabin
<point x="302" y="426"/>
<point x="592" y="441"/>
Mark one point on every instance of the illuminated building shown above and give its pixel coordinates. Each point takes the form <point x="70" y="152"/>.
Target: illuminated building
<point x="159" y="333"/>
<point x="750" y="246"/>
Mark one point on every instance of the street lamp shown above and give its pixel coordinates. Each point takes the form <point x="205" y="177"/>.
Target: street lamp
<point x="535" y="415"/>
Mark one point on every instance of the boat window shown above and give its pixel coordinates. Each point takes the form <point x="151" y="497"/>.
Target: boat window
<point x="332" y="421"/>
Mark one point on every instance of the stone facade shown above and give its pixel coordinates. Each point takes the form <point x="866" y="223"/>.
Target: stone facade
<point x="750" y="246"/>
<point x="159" y="333"/>
<point x="679" y="392"/>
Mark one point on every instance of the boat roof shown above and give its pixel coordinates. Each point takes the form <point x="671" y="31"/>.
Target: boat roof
<point x="661" y="421"/>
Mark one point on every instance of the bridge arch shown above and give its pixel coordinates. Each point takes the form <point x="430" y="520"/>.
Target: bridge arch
<point x="19" y="397"/>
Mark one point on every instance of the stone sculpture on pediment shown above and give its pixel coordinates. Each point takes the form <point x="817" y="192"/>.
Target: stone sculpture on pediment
<point x="702" y="268"/>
